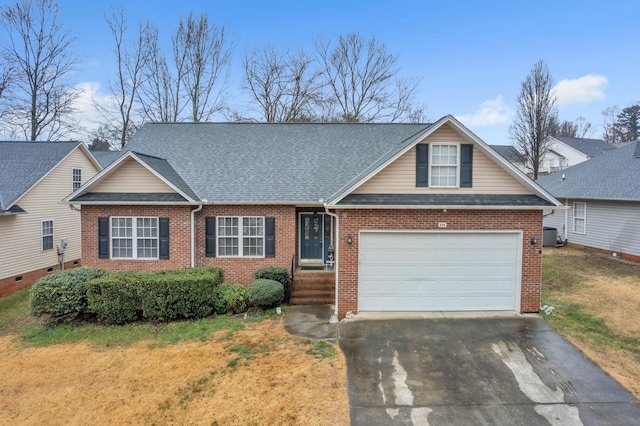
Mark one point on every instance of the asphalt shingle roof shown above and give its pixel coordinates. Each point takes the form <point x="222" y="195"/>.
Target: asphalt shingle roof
<point x="508" y="152"/>
<point x="106" y="157"/>
<point x="22" y="164"/>
<point x="590" y="147"/>
<point x="444" y="200"/>
<point x="270" y="162"/>
<point x="163" y="168"/>
<point x="611" y="176"/>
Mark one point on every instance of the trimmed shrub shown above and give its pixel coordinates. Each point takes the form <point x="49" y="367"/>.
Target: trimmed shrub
<point x="62" y="295"/>
<point x="266" y="293"/>
<point x="231" y="298"/>
<point x="187" y="293"/>
<point x="114" y="298"/>
<point x="276" y="274"/>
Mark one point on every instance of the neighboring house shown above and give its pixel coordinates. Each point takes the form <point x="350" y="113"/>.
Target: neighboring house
<point x="603" y="196"/>
<point x="409" y="217"/>
<point x="565" y="152"/>
<point x="512" y="155"/>
<point x="34" y="178"/>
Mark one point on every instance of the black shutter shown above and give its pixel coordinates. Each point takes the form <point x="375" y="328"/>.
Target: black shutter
<point x="163" y="233"/>
<point x="466" y="165"/>
<point x="422" y="165"/>
<point x="210" y="236"/>
<point x="270" y="237"/>
<point x="103" y="237"/>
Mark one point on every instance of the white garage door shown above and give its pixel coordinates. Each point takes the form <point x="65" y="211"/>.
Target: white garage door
<point x="452" y="271"/>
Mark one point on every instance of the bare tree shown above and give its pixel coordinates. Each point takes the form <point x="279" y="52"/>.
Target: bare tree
<point x="609" y="118"/>
<point x="131" y="61"/>
<point x="208" y="54"/>
<point x="361" y="80"/>
<point x="535" y="116"/>
<point x="579" y="128"/>
<point x="284" y="85"/>
<point x="38" y="50"/>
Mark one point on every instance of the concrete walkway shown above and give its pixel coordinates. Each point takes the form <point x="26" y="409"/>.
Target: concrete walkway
<point x="311" y="321"/>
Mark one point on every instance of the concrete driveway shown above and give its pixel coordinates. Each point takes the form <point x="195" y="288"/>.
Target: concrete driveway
<point x="482" y="371"/>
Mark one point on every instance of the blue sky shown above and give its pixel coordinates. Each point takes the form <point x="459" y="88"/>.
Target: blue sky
<point x="471" y="56"/>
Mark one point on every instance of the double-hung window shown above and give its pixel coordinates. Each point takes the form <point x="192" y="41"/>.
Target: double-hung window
<point x="76" y="177"/>
<point x="444" y="165"/>
<point x="241" y="236"/>
<point x="47" y="234"/>
<point x="134" y="237"/>
<point x="580" y="218"/>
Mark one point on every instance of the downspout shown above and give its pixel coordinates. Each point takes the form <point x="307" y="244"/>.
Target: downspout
<point x="566" y="220"/>
<point x="193" y="234"/>
<point x="336" y="246"/>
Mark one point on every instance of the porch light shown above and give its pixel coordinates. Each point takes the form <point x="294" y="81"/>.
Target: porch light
<point x="349" y="239"/>
<point x="534" y="240"/>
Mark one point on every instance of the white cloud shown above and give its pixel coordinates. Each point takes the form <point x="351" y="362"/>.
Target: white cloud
<point x="85" y="112"/>
<point x="580" y="90"/>
<point x="490" y="113"/>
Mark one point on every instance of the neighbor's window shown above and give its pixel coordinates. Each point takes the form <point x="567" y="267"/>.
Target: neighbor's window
<point x="134" y="237"/>
<point x="241" y="236"/>
<point x="47" y="234"/>
<point x="444" y="165"/>
<point x="580" y="218"/>
<point x="77" y="178"/>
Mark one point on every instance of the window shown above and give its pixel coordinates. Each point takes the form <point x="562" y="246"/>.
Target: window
<point x="444" y="165"/>
<point x="580" y="218"/>
<point x="241" y="236"/>
<point x="134" y="237"/>
<point x="47" y="234"/>
<point x="77" y="178"/>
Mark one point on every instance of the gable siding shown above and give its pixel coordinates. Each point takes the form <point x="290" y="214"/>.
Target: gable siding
<point x="132" y="177"/>
<point x="399" y="177"/>
<point x="20" y="245"/>
<point x="611" y="226"/>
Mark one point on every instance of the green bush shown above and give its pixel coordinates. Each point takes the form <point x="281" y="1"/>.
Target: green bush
<point x="187" y="293"/>
<point x="266" y="293"/>
<point x="231" y="298"/>
<point x="276" y="274"/>
<point x="62" y="295"/>
<point x="114" y="298"/>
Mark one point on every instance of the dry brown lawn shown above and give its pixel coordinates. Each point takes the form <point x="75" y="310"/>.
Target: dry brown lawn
<point x="607" y="289"/>
<point x="261" y="376"/>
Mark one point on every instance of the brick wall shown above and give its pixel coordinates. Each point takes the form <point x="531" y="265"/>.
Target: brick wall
<point x="12" y="284"/>
<point x="237" y="270"/>
<point x="352" y="221"/>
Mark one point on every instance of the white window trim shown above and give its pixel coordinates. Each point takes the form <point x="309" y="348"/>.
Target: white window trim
<point x="42" y="234"/>
<point x="431" y="165"/>
<point x="134" y="238"/>
<point x="584" y="219"/>
<point x="73" y="176"/>
<point x="240" y="236"/>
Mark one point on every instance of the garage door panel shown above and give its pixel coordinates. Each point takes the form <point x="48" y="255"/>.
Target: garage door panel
<point x="438" y="271"/>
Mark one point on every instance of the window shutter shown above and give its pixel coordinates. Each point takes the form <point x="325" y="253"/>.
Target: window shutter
<point x="466" y="165"/>
<point x="270" y="237"/>
<point x="422" y="165"/>
<point x="103" y="237"/>
<point x="210" y="236"/>
<point x="163" y="233"/>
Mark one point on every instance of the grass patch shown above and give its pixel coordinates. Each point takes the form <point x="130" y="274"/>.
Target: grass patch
<point x="322" y="350"/>
<point x="13" y="312"/>
<point x="245" y="353"/>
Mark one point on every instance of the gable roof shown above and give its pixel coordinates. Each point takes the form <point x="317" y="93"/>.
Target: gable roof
<point x="273" y="163"/>
<point x="106" y="157"/>
<point x="509" y="152"/>
<point x="589" y="147"/>
<point x="611" y="176"/>
<point x="24" y="164"/>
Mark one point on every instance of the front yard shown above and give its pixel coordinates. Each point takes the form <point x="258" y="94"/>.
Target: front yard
<point x="596" y="300"/>
<point x="227" y="370"/>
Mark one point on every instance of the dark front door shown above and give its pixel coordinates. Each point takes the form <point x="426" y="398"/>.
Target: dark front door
<point x="311" y="234"/>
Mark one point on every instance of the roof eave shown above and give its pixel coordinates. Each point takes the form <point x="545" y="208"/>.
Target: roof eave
<point x="440" y="207"/>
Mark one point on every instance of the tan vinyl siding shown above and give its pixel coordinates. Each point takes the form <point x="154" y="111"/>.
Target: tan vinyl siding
<point x="20" y="245"/>
<point x="131" y="177"/>
<point x="399" y="177"/>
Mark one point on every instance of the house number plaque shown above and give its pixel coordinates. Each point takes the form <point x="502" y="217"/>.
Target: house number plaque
<point x="442" y="224"/>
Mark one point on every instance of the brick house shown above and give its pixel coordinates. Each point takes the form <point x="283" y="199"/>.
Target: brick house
<point x="402" y="217"/>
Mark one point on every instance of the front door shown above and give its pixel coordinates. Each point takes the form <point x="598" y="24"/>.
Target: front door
<point x="311" y="238"/>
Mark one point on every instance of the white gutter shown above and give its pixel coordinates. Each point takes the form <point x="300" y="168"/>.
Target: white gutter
<point x="336" y="247"/>
<point x="193" y="233"/>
